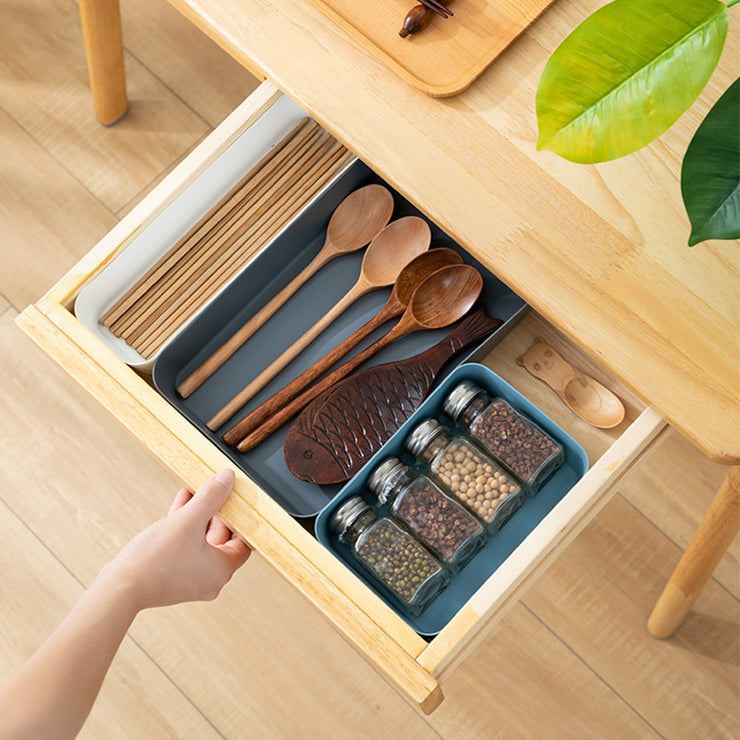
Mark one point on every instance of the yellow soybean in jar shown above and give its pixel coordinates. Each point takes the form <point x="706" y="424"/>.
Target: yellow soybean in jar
<point x="401" y="564"/>
<point x="436" y="519"/>
<point x="474" y="478"/>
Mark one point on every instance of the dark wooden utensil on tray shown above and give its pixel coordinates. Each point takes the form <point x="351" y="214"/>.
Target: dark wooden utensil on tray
<point x="338" y="432"/>
<point x="443" y="298"/>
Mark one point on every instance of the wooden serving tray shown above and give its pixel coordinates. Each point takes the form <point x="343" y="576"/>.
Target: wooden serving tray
<point x="445" y="57"/>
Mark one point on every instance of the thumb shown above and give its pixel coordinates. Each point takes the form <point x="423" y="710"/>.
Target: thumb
<point x="210" y="497"/>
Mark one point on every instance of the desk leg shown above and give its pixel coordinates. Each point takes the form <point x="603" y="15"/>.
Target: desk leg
<point x="708" y="545"/>
<point x="101" y="29"/>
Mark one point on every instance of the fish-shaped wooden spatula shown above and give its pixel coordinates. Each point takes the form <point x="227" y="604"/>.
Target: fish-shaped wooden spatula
<point x="341" y="429"/>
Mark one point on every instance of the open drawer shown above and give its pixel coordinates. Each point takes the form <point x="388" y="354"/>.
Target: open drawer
<point x="413" y="664"/>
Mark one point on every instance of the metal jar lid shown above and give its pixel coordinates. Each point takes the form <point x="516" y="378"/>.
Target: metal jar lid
<point x="459" y="398"/>
<point x="383" y="478"/>
<point x="422" y="435"/>
<point x="347" y="513"/>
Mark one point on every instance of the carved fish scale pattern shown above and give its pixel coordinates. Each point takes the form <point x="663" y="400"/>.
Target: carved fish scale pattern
<point x="341" y="429"/>
<point x="355" y="422"/>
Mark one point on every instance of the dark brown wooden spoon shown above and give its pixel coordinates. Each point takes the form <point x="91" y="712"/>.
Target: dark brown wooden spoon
<point x="443" y="298"/>
<point x="336" y="434"/>
<point x="408" y="280"/>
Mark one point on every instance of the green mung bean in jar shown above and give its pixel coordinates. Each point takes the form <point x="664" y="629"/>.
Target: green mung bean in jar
<point x="471" y="476"/>
<point x="514" y="440"/>
<point x="399" y="562"/>
<point x="440" y="522"/>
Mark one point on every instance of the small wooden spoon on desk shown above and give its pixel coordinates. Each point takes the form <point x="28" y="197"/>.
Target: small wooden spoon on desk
<point x="420" y="268"/>
<point x="443" y="298"/>
<point x="356" y="221"/>
<point x="583" y="395"/>
<point x="390" y="251"/>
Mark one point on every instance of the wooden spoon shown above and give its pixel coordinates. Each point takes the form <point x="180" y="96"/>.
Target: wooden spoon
<point x="583" y="395"/>
<point x="390" y="251"/>
<point x="358" y="219"/>
<point x="408" y="280"/>
<point x="444" y="297"/>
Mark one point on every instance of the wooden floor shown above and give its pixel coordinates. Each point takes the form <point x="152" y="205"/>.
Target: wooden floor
<point x="572" y="660"/>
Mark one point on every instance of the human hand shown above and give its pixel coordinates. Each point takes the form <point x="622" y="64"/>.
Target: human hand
<point x="189" y="555"/>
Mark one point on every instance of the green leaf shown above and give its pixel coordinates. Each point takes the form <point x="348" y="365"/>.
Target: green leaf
<point x="626" y="74"/>
<point x="710" y="174"/>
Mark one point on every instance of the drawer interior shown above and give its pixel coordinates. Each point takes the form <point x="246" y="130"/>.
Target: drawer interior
<point x="288" y="541"/>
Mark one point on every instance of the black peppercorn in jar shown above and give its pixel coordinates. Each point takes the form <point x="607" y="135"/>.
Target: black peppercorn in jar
<point x="398" y="561"/>
<point x="474" y="478"/>
<point x="441" y="523"/>
<point x="525" y="449"/>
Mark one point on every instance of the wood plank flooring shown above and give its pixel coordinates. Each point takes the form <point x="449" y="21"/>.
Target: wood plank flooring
<point x="572" y="660"/>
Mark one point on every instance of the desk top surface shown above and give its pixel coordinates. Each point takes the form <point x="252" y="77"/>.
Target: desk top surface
<point x="599" y="250"/>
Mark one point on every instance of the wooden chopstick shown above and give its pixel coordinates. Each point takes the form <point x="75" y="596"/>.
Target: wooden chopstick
<point x="196" y="270"/>
<point x="156" y="342"/>
<point x="437" y="7"/>
<point x="216" y="248"/>
<point x="229" y="269"/>
<point x="156" y="294"/>
<point x="225" y="270"/>
<point x="237" y="250"/>
<point x="156" y="280"/>
<point x="133" y="294"/>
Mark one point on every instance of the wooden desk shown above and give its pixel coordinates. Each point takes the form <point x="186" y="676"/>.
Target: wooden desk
<point x="600" y="251"/>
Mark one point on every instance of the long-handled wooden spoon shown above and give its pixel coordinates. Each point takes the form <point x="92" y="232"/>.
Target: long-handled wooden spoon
<point x="444" y="297"/>
<point x="408" y="280"/>
<point x="356" y="221"/>
<point x="390" y="251"/>
<point x="583" y="395"/>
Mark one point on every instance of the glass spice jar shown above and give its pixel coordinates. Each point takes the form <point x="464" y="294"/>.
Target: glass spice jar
<point x="390" y="554"/>
<point x="525" y="449"/>
<point x="474" y="478"/>
<point x="438" y="521"/>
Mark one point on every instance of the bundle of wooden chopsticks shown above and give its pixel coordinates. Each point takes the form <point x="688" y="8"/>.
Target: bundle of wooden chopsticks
<point x="218" y="246"/>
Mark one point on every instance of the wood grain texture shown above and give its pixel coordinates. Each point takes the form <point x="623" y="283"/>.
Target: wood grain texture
<point x="548" y="668"/>
<point x="577" y="243"/>
<point x="101" y="30"/>
<point x="538" y="679"/>
<point x="91" y="502"/>
<point x="697" y="564"/>
<point x="195" y="69"/>
<point x="41" y="242"/>
<point x="137" y="697"/>
<point x="115" y="168"/>
<point x="622" y="554"/>
<point x="387" y="642"/>
<point x="446" y="56"/>
<point x="679" y="496"/>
